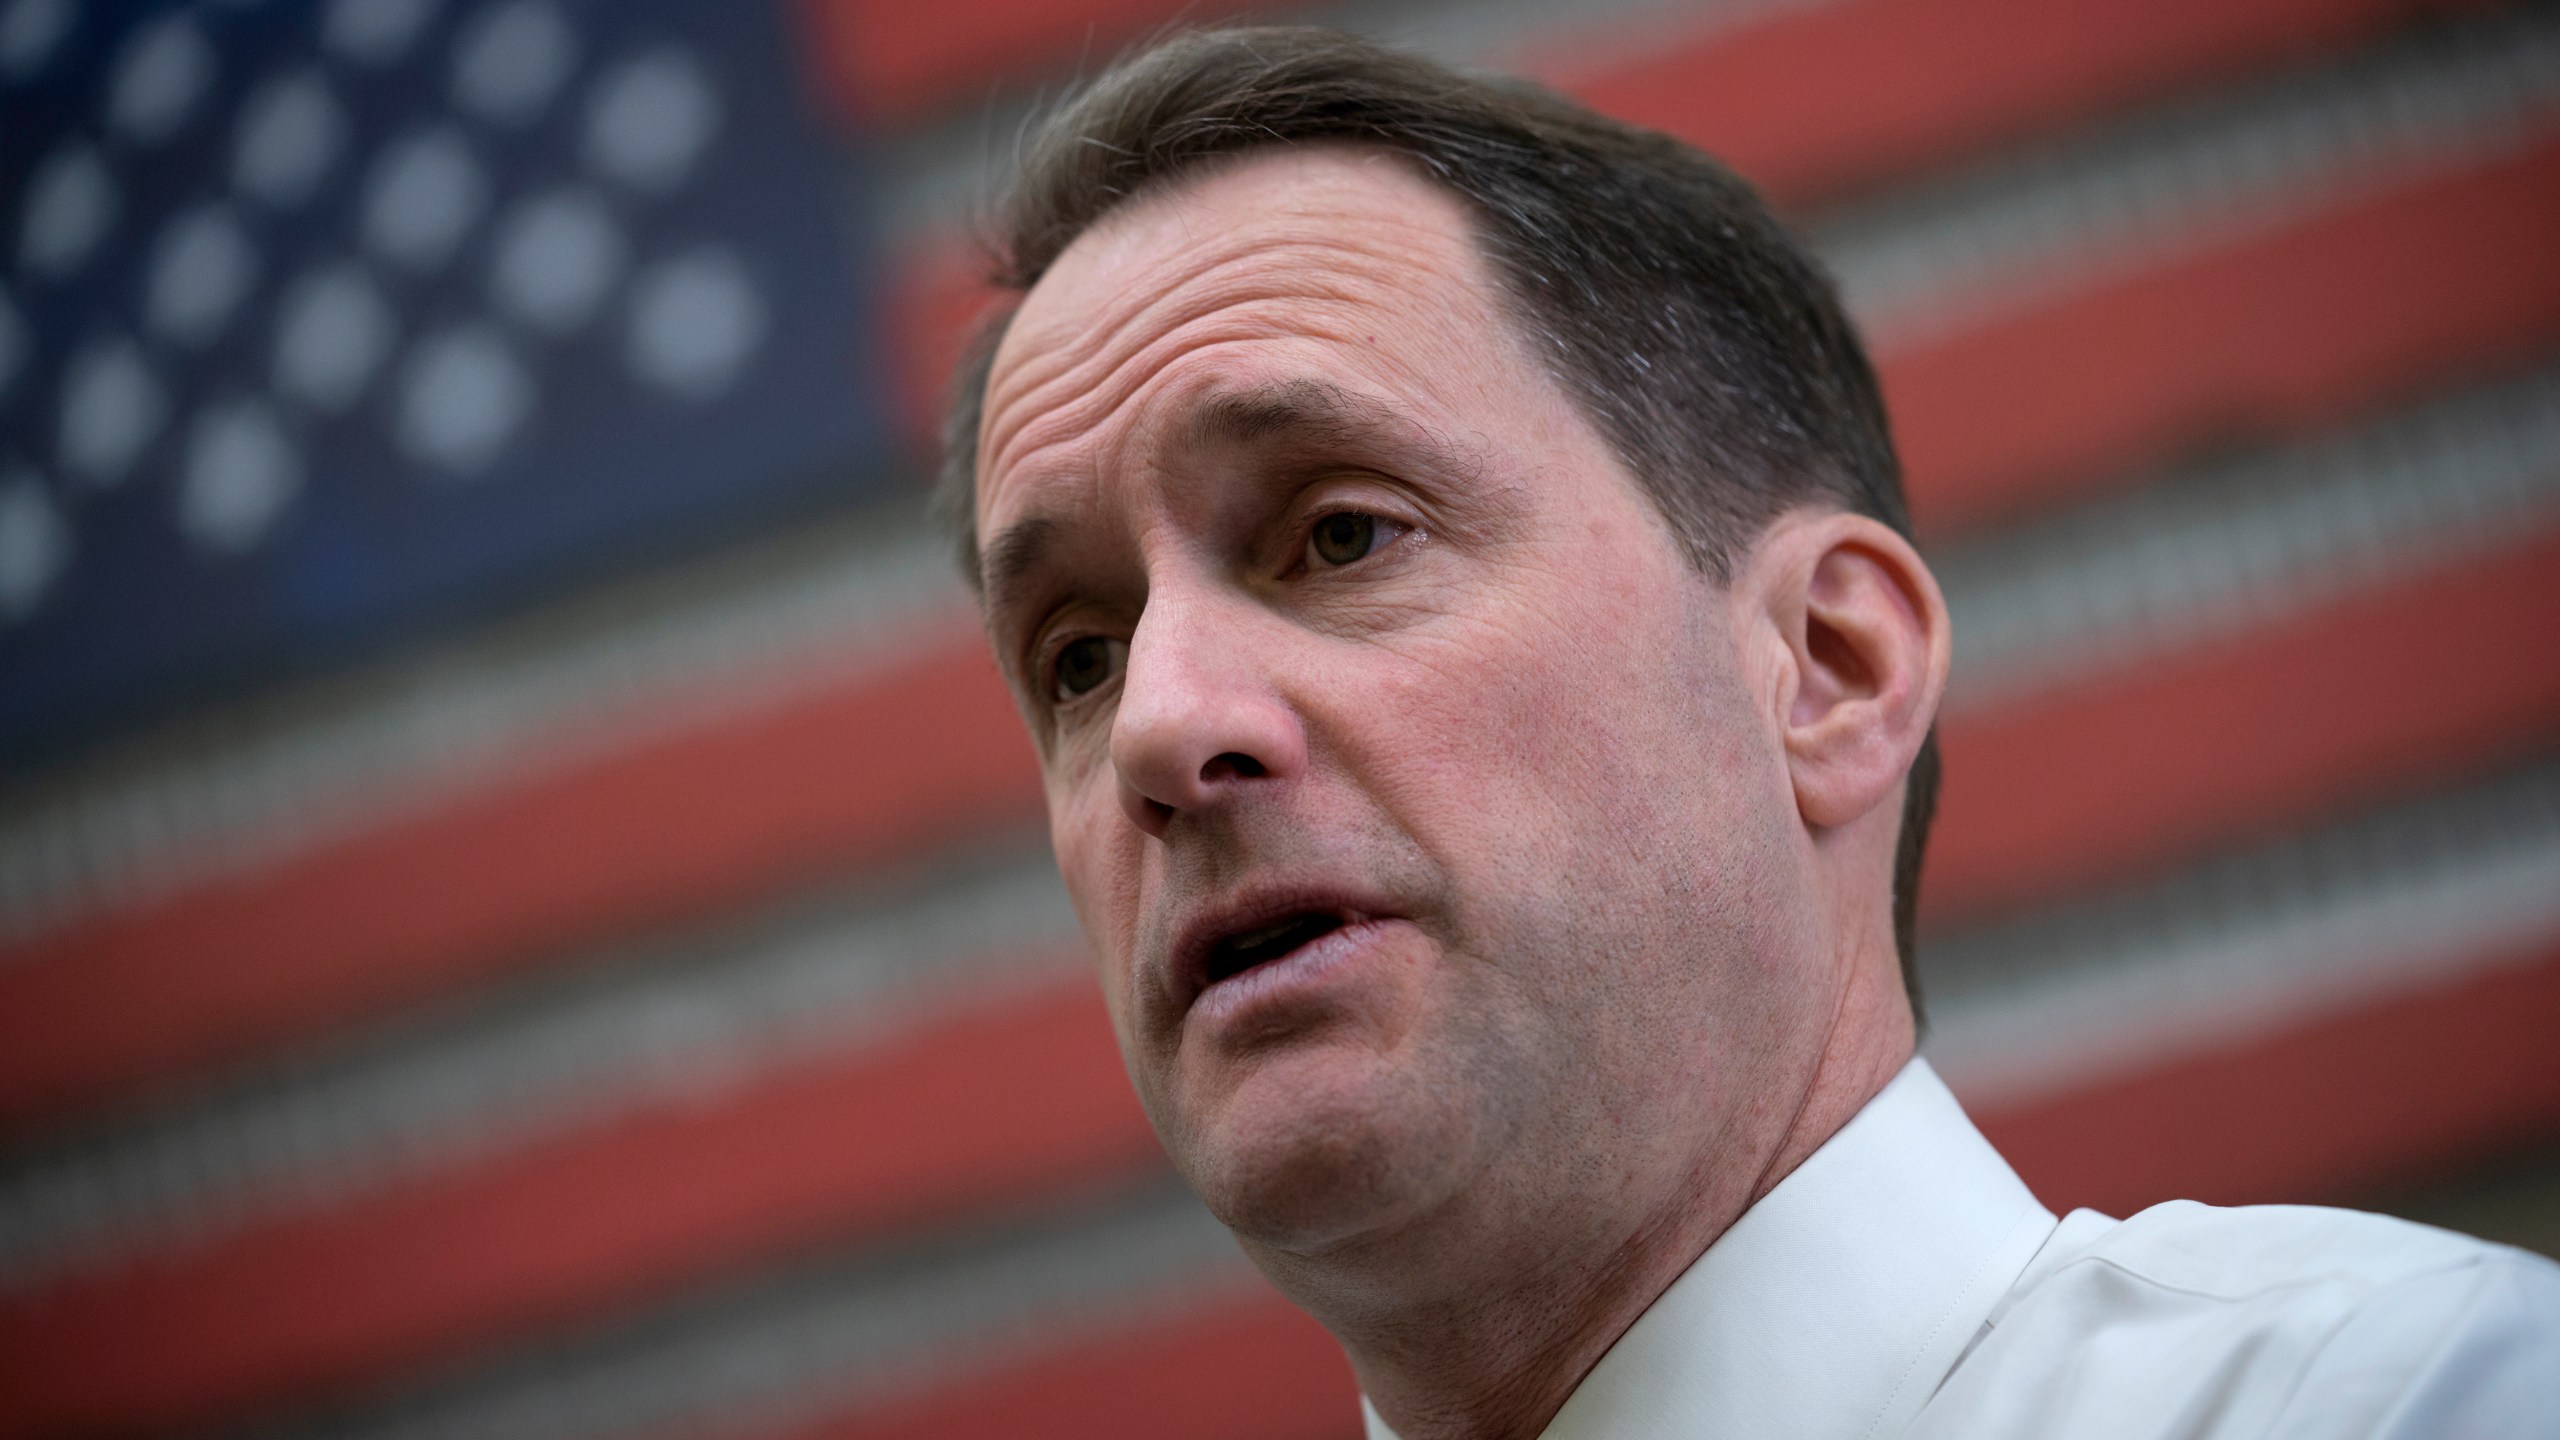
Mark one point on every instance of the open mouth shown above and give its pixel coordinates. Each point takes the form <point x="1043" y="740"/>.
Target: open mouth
<point x="1247" y="948"/>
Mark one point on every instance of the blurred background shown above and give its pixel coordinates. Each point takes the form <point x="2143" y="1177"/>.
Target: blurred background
<point x="523" y="907"/>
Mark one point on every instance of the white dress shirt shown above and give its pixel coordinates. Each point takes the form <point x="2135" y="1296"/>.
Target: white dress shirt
<point x="1903" y="1282"/>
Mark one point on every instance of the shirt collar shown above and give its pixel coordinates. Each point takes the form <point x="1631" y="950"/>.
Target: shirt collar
<point x="1834" y="1306"/>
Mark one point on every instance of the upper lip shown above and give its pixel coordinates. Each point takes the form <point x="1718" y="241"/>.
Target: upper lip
<point x="1212" y="924"/>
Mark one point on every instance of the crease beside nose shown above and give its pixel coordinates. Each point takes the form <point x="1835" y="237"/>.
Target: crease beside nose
<point x="1198" y="719"/>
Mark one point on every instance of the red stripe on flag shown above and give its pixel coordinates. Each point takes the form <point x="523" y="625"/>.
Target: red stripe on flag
<point x="1806" y="101"/>
<point x="934" y="312"/>
<point x="2384" y="689"/>
<point x="1815" y="99"/>
<point x="2265" y="337"/>
<point x="1253" y="1368"/>
<point x="879" y="769"/>
<point x="2400" y="282"/>
<point x="2322" y="1110"/>
<point x="886" y="60"/>
<point x="1012" y="1100"/>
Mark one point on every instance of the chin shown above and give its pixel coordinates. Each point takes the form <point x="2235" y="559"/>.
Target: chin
<point x="1322" y="1144"/>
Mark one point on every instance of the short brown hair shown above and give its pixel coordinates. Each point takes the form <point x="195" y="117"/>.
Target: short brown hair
<point x="1694" y="331"/>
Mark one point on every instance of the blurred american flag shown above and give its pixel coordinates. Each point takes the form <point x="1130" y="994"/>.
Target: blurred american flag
<point x="523" y="908"/>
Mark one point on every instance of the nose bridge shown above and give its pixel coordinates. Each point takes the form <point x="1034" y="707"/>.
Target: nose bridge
<point x="1190" y="633"/>
<point x="1200" y="710"/>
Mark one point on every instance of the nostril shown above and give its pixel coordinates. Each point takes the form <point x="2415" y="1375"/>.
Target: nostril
<point x="1232" y="765"/>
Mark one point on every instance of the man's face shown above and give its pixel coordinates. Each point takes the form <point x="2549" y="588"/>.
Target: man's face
<point x="1422" y="805"/>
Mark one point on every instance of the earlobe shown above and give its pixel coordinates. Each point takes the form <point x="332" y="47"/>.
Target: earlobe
<point x="1866" y="637"/>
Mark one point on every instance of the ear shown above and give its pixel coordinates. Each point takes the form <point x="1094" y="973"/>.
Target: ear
<point x="1861" y="640"/>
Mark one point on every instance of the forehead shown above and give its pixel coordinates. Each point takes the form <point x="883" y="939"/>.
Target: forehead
<point x="1328" y="264"/>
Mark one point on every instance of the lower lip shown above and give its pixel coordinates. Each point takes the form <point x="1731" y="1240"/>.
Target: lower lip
<point x="1274" y="982"/>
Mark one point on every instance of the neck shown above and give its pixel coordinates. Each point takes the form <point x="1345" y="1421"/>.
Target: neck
<point x="1497" y="1360"/>
<point x="1497" y="1353"/>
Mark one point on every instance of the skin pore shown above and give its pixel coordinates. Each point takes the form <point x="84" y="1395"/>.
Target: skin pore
<point x="1320" y="598"/>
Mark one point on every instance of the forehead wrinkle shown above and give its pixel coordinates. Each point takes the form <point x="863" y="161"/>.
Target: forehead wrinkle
<point x="1098" y="428"/>
<point x="1186" y="286"/>
<point x="1106" y="362"/>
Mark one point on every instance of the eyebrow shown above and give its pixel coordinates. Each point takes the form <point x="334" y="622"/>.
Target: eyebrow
<point x="1308" y="411"/>
<point x="1010" y="558"/>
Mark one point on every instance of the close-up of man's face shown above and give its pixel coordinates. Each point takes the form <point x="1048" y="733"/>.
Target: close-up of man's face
<point x="1424" y="806"/>
<point x="1434" y="720"/>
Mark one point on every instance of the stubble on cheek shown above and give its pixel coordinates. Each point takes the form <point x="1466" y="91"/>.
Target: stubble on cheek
<point x="1634" y="885"/>
<point x="1107" y="890"/>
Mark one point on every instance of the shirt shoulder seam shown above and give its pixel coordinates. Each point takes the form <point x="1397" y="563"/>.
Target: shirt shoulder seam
<point x="2458" y="1262"/>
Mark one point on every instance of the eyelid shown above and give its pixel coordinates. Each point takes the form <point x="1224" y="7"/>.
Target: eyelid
<point x="1365" y="491"/>
<point x="1045" y="657"/>
<point x="1384" y="515"/>
<point x="1052" y="644"/>
<point x="1038" y="657"/>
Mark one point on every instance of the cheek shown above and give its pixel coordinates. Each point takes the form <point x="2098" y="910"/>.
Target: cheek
<point x="1588" y="770"/>
<point x="1097" y="853"/>
<point x="1575" y="709"/>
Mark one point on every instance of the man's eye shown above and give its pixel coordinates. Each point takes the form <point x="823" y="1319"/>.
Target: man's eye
<point x="1343" y="537"/>
<point x="1082" y="665"/>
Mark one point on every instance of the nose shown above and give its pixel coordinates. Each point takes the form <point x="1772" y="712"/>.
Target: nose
<point x="1199" y="720"/>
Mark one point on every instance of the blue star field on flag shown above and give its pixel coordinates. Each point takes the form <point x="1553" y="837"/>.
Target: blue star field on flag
<point x="321" y="324"/>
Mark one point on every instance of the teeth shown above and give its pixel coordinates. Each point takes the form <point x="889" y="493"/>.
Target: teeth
<point x="1244" y="951"/>
<point x="1254" y="938"/>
